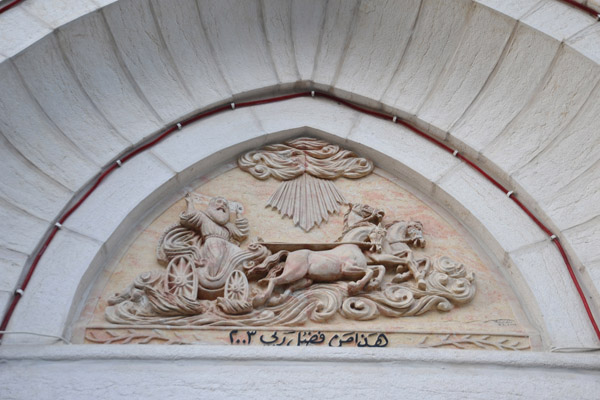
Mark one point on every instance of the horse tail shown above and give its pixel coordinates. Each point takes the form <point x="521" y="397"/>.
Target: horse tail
<point x="269" y="262"/>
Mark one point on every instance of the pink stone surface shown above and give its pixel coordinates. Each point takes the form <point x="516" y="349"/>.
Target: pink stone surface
<point x="495" y="310"/>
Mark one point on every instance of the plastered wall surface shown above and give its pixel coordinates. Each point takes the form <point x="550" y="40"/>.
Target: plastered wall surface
<point x="513" y="85"/>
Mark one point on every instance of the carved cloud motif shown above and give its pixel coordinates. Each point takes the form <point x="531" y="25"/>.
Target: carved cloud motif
<point x="307" y="167"/>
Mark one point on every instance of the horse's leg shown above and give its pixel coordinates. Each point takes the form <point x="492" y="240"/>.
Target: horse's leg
<point x="295" y="268"/>
<point x="388" y="260"/>
<point x="261" y="299"/>
<point x="350" y="269"/>
<point x="402" y="264"/>
<point x="403" y="272"/>
<point x="421" y="283"/>
<point x="402" y="277"/>
<point x="425" y="269"/>
<point x="301" y="284"/>
<point x="402" y="268"/>
<point x="376" y="282"/>
<point x="414" y="269"/>
<point x="407" y="266"/>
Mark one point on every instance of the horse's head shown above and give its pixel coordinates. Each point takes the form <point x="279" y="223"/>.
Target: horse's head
<point x="414" y="234"/>
<point x="405" y="233"/>
<point x="376" y="237"/>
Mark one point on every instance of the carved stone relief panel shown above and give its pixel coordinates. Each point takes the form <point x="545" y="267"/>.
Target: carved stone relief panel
<point x="307" y="167"/>
<point x="363" y="262"/>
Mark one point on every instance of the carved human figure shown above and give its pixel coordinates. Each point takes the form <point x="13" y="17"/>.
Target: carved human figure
<point x="219" y="239"/>
<point x="219" y="236"/>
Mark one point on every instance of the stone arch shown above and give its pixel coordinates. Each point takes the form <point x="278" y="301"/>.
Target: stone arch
<point x="513" y="85"/>
<point x="98" y="229"/>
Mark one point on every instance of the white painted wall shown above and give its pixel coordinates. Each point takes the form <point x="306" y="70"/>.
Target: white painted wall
<point x="515" y="85"/>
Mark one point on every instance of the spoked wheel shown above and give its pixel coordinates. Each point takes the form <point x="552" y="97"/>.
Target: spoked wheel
<point x="181" y="279"/>
<point x="236" y="287"/>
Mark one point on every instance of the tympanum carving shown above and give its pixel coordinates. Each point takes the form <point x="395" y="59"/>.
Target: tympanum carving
<point x="378" y="266"/>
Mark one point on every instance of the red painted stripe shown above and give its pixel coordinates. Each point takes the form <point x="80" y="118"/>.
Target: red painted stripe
<point x="8" y="7"/>
<point x="583" y="7"/>
<point x="132" y="153"/>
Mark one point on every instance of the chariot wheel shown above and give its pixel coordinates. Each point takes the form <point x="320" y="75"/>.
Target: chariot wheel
<point x="181" y="279"/>
<point x="236" y="287"/>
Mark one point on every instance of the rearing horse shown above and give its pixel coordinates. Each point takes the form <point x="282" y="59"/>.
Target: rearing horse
<point x="391" y="246"/>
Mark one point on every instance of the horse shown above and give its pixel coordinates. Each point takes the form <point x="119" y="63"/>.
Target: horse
<point x="391" y="243"/>
<point x="303" y="267"/>
<point x="362" y="223"/>
<point x="407" y="233"/>
<point x="401" y="237"/>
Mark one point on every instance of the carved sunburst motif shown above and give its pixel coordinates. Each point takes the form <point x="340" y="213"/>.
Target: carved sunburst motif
<point x="307" y="168"/>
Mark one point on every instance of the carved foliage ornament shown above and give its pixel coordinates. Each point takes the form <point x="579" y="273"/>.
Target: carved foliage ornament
<point x="307" y="167"/>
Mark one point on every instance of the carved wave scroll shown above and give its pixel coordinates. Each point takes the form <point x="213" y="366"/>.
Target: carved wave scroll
<point x="449" y="283"/>
<point x="307" y="167"/>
